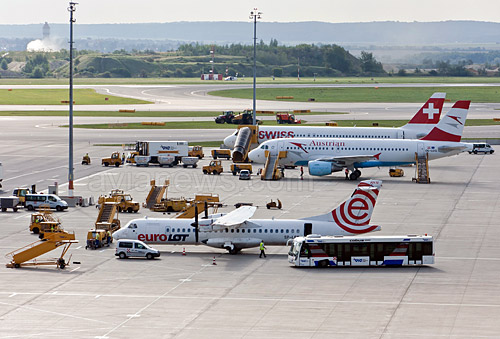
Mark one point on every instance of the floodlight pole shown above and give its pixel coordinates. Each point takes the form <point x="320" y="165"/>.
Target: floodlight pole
<point x="254" y="15"/>
<point x="71" y="10"/>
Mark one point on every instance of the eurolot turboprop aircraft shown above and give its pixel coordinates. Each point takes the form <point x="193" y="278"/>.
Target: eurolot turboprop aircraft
<point x="421" y="123"/>
<point x="324" y="156"/>
<point x="235" y="230"/>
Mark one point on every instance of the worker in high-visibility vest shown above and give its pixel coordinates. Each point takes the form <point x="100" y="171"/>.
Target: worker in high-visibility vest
<point x="262" y="248"/>
<point x="109" y="237"/>
<point x="97" y="239"/>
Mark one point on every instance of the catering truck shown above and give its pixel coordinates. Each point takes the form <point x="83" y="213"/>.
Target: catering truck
<point x="156" y="149"/>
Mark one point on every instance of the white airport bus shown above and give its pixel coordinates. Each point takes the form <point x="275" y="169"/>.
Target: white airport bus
<point x="322" y="251"/>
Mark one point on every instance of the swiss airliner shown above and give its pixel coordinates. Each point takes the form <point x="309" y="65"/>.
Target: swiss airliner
<point x="324" y="156"/>
<point x="235" y="231"/>
<point x="421" y="123"/>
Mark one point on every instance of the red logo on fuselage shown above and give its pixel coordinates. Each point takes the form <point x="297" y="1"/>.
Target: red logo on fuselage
<point x="268" y="135"/>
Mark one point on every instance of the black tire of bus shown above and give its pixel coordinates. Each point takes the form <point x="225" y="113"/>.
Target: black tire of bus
<point x="323" y="263"/>
<point x="30" y="208"/>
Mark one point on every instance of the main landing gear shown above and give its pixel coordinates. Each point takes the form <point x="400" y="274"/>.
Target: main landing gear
<point x="355" y="175"/>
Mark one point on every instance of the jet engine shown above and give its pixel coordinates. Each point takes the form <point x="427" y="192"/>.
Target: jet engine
<point x="320" y="168"/>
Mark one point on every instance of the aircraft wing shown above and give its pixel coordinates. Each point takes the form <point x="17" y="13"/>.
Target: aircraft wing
<point x="236" y="217"/>
<point x="347" y="160"/>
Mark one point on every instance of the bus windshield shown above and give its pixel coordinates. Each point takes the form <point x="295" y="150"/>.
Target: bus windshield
<point x="295" y="248"/>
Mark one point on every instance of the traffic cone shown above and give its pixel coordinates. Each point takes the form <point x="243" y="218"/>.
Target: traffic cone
<point x="183" y="251"/>
<point x="213" y="262"/>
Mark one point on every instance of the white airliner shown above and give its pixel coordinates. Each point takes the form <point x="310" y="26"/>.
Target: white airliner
<point x="421" y="123"/>
<point x="324" y="156"/>
<point x="235" y="230"/>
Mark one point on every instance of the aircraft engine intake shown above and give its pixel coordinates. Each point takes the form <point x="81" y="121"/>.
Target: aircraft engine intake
<point x="320" y="168"/>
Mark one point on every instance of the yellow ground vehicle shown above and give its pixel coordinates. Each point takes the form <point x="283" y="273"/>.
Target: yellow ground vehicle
<point x="21" y="192"/>
<point x="44" y="221"/>
<point x="221" y="153"/>
<point x="98" y="238"/>
<point x="236" y="168"/>
<point x="396" y="172"/>
<point x="114" y="160"/>
<point x="215" y="167"/>
<point x="86" y="159"/>
<point x="196" y="151"/>
<point x="131" y="157"/>
<point x="124" y="200"/>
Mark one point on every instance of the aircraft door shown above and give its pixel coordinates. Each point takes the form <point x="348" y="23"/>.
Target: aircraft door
<point x="420" y="149"/>
<point x="401" y="134"/>
<point x="307" y="229"/>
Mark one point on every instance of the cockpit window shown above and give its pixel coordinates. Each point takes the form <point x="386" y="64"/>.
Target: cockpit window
<point x="132" y="226"/>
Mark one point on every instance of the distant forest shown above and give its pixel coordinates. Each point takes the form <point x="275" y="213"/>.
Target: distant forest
<point x="191" y="60"/>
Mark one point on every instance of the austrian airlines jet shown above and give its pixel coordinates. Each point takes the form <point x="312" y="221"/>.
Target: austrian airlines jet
<point x="421" y="123"/>
<point x="326" y="155"/>
<point x="235" y="230"/>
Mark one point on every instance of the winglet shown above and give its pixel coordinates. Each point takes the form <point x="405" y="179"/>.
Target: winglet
<point x="430" y="112"/>
<point x="451" y="127"/>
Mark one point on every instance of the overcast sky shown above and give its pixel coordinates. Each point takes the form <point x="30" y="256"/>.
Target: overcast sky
<point x="132" y="11"/>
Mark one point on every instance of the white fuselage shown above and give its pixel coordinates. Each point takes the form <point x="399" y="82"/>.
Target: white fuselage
<point x="387" y="152"/>
<point x="410" y="131"/>
<point x="249" y="234"/>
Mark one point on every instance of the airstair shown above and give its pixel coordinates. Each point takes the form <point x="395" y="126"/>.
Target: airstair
<point x="22" y="256"/>
<point x="271" y="170"/>
<point x="155" y="194"/>
<point x="422" y="169"/>
<point x="201" y="203"/>
<point x="106" y="218"/>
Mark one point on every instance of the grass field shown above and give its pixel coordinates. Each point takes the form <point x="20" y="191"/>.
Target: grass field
<point x="55" y="96"/>
<point x="187" y="114"/>
<point x="212" y="125"/>
<point x="248" y="80"/>
<point x="368" y="94"/>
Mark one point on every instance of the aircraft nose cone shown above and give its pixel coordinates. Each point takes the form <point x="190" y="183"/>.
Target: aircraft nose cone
<point x="253" y="156"/>
<point x="229" y="141"/>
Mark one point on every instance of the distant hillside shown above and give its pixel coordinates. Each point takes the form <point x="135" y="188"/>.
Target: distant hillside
<point x="288" y="33"/>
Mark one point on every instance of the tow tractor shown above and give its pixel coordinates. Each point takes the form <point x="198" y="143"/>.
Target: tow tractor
<point x="114" y="160"/>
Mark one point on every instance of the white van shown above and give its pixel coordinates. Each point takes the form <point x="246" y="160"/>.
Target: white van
<point x="135" y="248"/>
<point x="482" y="148"/>
<point x="34" y="201"/>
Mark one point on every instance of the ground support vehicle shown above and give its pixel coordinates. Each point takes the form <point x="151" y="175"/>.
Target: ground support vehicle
<point x="10" y="202"/>
<point x="141" y="160"/>
<point x="131" y="157"/>
<point x="44" y="221"/>
<point x="196" y="151"/>
<point x="22" y="256"/>
<point x="237" y="168"/>
<point x="274" y="204"/>
<point x="245" y="175"/>
<point x="221" y="153"/>
<point x="21" y="192"/>
<point x="482" y="148"/>
<point x="86" y="160"/>
<point x="396" y="172"/>
<point x="114" y="160"/>
<point x="286" y="118"/>
<point x="97" y="239"/>
<point x="135" y="248"/>
<point x="125" y="201"/>
<point x="225" y="117"/>
<point x="42" y="200"/>
<point x="215" y="167"/>
<point x="190" y="161"/>
<point x="155" y="149"/>
<point x="322" y="251"/>
<point x="106" y="218"/>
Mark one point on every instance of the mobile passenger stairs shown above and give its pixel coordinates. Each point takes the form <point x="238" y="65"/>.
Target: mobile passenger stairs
<point x="106" y="218"/>
<point x="422" y="169"/>
<point x="155" y="194"/>
<point x="271" y="169"/>
<point x="26" y="256"/>
<point x="247" y="137"/>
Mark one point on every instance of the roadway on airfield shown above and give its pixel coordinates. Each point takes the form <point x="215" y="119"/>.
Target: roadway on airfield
<point x="243" y="296"/>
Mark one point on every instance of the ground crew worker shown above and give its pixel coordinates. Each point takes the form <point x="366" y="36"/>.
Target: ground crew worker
<point x="52" y="228"/>
<point x="97" y="240"/>
<point x="301" y="172"/>
<point x="262" y="248"/>
<point x="123" y="158"/>
<point x="109" y="237"/>
<point x="346" y="174"/>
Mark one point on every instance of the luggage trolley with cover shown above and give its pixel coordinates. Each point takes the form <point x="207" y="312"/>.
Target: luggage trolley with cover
<point x="323" y="251"/>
